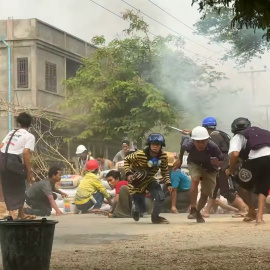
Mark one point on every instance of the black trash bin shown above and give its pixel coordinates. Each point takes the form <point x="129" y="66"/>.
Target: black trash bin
<point x="26" y="244"/>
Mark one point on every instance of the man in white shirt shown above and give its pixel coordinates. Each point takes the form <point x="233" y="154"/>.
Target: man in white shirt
<point x="16" y="148"/>
<point x="252" y="145"/>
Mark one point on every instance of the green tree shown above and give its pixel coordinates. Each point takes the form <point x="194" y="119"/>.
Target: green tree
<point x="253" y="14"/>
<point x="245" y="43"/>
<point x="130" y="86"/>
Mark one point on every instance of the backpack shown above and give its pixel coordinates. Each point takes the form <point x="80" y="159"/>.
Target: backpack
<point x="225" y="145"/>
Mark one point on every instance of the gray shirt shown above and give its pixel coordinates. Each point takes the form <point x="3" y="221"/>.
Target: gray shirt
<point x="119" y="156"/>
<point x="40" y="189"/>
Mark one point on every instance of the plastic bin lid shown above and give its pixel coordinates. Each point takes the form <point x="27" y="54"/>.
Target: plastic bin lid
<point x="39" y="222"/>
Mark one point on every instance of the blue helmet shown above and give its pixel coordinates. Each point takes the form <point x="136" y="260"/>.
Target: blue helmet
<point x="156" y="137"/>
<point x="209" y="122"/>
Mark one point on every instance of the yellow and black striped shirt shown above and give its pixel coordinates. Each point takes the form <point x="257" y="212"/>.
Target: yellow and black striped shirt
<point x="138" y="161"/>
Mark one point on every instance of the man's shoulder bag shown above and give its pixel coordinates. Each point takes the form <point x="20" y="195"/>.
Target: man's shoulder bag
<point x="13" y="163"/>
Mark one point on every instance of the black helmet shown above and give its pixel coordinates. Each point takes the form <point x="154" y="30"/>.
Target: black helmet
<point x="240" y="124"/>
<point x="156" y="137"/>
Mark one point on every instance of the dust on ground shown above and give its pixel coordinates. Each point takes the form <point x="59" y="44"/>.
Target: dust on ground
<point x="221" y="243"/>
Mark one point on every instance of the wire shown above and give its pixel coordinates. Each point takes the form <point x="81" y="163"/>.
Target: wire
<point x="170" y="28"/>
<point x="199" y="55"/>
<point x="180" y="20"/>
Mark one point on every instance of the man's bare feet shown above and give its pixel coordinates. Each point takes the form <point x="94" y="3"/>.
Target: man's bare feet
<point x="13" y="214"/>
<point x="174" y="210"/>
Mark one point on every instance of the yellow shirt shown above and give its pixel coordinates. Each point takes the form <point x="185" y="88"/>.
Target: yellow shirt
<point x="89" y="185"/>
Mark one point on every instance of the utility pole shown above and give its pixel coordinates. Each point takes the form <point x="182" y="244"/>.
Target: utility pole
<point x="252" y="72"/>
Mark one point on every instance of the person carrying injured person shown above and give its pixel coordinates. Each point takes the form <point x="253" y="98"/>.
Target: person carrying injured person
<point x="204" y="159"/>
<point x="140" y="168"/>
<point x="252" y="145"/>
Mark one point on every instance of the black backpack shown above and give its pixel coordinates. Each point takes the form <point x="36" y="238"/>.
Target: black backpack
<point x="225" y="146"/>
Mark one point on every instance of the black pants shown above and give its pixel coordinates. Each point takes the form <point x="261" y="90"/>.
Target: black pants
<point x="157" y="195"/>
<point x="254" y="175"/>
<point x="226" y="187"/>
<point x="41" y="206"/>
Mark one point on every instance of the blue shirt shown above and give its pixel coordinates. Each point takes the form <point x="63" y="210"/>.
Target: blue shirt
<point x="180" y="180"/>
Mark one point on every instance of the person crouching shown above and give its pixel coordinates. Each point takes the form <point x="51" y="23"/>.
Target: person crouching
<point x="91" y="192"/>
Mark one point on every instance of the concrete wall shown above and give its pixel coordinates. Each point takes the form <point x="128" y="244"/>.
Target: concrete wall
<point x="22" y="29"/>
<point x="47" y="99"/>
<point x="50" y="35"/>
<point x="3" y="69"/>
<point x="59" y="61"/>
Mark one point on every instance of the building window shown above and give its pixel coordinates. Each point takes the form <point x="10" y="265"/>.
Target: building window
<point x="22" y="72"/>
<point x="50" y="77"/>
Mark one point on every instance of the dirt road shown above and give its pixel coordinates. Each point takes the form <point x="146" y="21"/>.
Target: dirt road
<point x="86" y="242"/>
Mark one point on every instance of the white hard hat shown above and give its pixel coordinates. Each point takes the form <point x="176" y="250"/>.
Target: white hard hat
<point x="80" y="149"/>
<point x="199" y="133"/>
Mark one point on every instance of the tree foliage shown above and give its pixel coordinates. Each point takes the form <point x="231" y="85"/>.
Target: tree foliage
<point x="132" y="85"/>
<point x="253" y="14"/>
<point x="245" y="43"/>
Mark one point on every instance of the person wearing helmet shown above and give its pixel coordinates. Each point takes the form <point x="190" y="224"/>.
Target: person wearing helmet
<point x="252" y="145"/>
<point x="83" y="156"/>
<point x="226" y="187"/>
<point x="141" y="168"/>
<point x="203" y="161"/>
<point x="91" y="192"/>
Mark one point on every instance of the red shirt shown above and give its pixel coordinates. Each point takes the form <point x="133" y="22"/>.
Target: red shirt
<point x="119" y="184"/>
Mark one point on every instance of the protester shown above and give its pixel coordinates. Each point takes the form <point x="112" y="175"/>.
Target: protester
<point x="181" y="187"/>
<point x="203" y="161"/>
<point x="41" y="196"/>
<point x="252" y="145"/>
<point x="140" y="168"/>
<point x="122" y="153"/>
<point x="16" y="151"/>
<point x="83" y="156"/>
<point x="226" y="187"/>
<point x="91" y="192"/>
<point x="104" y="164"/>
<point x="121" y="207"/>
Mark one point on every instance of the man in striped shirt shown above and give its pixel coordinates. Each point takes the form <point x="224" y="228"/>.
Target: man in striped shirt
<point x="141" y="168"/>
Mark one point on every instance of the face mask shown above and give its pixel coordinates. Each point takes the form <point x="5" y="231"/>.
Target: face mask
<point x="154" y="162"/>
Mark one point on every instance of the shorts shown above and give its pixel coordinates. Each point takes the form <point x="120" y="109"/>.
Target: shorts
<point x="208" y="179"/>
<point x="254" y="175"/>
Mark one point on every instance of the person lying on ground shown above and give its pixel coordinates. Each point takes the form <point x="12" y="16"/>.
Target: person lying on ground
<point x="91" y="192"/>
<point x="41" y="196"/>
<point x="121" y="207"/>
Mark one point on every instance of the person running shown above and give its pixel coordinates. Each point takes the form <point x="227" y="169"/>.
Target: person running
<point x="91" y="192"/>
<point x="203" y="161"/>
<point x="16" y="151"/>
<point x="252" y="145"/>
<point x="225" y="185"/>
<point x="140" y="168"/>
